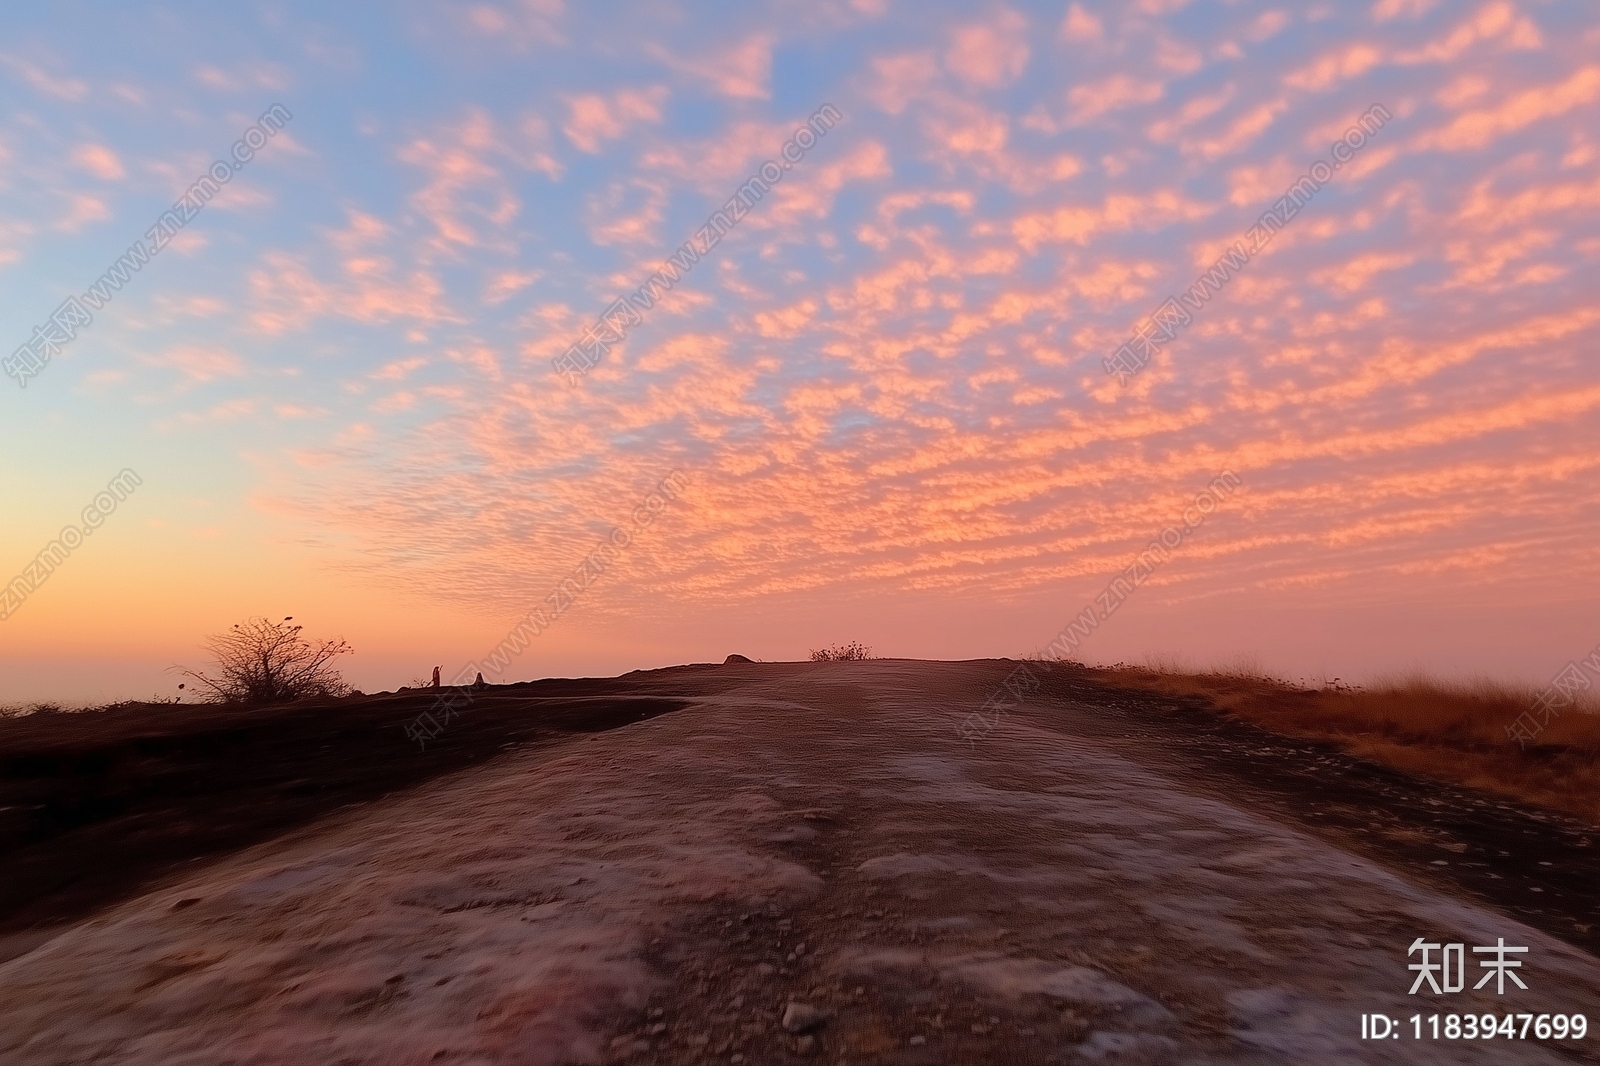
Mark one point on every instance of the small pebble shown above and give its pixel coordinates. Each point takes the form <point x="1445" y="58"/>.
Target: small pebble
<point x="803" y="1018"/>
<point x="918" y="1040"/>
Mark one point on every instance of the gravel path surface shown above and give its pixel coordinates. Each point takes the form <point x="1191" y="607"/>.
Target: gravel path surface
<point x="805" y="864"/>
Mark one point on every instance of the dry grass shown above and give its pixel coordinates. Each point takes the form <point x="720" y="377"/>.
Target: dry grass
<point x="855" y="651"/>
<point x="1448" y="732"/>
<point x="22" y="710"/>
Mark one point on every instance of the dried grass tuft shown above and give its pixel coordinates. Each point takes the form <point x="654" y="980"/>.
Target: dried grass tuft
<point x="1444" y="730"/>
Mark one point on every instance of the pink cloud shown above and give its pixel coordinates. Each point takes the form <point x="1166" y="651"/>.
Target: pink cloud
<point x="244" y="77"/>
<point x="1344" y="62"/>
<point x="467" y="199"/>
<point x="741" y="71"/>
<point x="522" y="24"/>
<point x="1482" y="209"/>
<point x="98" y="160"/>
<point x="1193" y="110"/>
<point x="288" y="295"/>
<point x="967" y="129"/>
<point x="199" y="364"/>
<point x="1476" y="129"/>
<point x="1384" y="10"/>
<point x="399" y="369"/>
<point x="82" y="209"/>
<point x="593" y="118"/>
<point x="1357" y="272"/>
<point x="992" y="53"/>
<point x="1462" y="90"/>
<point x="1240" y="133"/>
<point x="505" y="284"/>
<point x="1115" y="213"/>
<point x="1091" y="101"/>
<point x="1493" y="20"/>
<point x="1266" y="25"/>
<point x="627" y="213"/>
<point x="1081" y="25"/>
<point x="810" y="193"/>
<point x="887" y="381"/>
<point x="897" y="80"/>
<point x="62" y="88"/>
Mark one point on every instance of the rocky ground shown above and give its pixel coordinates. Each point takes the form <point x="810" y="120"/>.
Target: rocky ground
<point x="810" y="863"/>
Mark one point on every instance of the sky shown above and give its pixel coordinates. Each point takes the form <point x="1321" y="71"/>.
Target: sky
<point x="880" y="378"/>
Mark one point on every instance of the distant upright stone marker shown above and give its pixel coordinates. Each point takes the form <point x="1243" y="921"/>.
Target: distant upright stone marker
<point x="736" y="658"/>
<point x="436" y="677"/>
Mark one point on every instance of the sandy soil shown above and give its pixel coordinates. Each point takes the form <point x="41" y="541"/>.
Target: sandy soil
<point x="810" y="842"/>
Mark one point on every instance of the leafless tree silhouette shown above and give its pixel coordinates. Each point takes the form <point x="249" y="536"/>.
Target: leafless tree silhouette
<point x="261" y="661"/>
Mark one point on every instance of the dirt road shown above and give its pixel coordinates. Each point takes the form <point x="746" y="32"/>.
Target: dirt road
<point x="816" y="845"/>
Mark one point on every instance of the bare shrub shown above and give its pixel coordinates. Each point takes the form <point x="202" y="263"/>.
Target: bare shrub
<point x="841" y="653"/>
<point x="260" y="661"/>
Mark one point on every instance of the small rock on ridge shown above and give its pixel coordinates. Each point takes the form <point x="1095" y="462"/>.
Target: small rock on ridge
<point x="803" y="1018"/>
